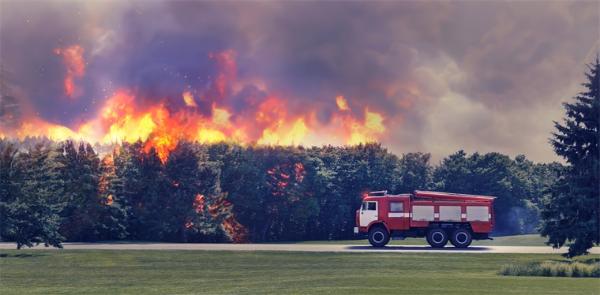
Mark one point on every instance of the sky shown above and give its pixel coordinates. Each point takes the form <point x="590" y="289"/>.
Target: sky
<point x="439" y="76"/>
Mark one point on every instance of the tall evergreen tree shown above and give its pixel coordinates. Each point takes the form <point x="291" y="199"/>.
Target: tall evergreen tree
<point x="144" y="191"/>
<point x="194" y="186"/>
<point x="571" y="213"/>
<point x="112" y="213"/>
<point x="81" y="211"/>
<point x="243" y="179"/>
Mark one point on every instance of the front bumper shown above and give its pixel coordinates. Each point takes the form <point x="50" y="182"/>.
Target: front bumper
<point x="356" y="230"/>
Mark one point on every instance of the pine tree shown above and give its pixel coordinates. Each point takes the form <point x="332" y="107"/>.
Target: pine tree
<point x="111" y="222"/>
<point x="571" y="213"/>
<point x="193" y="208"/>
<point x="141" y="190"/>
<point x="242" y="178"/>
<point x="81" y="186"/>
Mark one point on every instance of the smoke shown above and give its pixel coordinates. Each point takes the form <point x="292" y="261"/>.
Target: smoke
<point x="521" y="220"/>
<point x="418" y="65"/>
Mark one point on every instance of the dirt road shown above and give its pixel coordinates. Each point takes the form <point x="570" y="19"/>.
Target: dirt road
<point x="301" y="248"/>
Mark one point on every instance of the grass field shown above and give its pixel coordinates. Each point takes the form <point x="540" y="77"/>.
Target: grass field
<point x="187" y="272"/>
<point x="517" y="240"/>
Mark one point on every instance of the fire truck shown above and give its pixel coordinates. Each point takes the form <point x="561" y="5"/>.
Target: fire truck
<point x="439" y="217"/>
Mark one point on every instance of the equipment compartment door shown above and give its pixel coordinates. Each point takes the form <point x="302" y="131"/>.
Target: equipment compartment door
<point x="368" y="213"/>
<point x="398" y="214"/>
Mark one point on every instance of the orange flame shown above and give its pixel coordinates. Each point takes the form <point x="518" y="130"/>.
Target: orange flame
<point x="109" y="200"/>
<point x="75" y="64"/>
<point x="236" y="231"/>
<point x="269" y="121"/>
<point x="188" y="99"/>
<point x="341" y="103"/>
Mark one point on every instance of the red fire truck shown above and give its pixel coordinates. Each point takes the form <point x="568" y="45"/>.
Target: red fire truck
<point x="437" y="216"/>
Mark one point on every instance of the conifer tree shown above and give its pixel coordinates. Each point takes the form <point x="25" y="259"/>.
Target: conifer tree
<point x="571" y="213"/>
<point x="112" y="213"/>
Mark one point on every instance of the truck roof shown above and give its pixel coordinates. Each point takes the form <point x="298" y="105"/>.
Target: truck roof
<point x="451" y="196"/>
<point x="440" y="196"/>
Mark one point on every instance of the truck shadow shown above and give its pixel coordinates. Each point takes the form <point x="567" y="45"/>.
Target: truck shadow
<point x="417" y="248"/>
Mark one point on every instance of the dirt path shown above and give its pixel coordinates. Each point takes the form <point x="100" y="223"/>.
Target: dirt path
<point x="301" y="248"/>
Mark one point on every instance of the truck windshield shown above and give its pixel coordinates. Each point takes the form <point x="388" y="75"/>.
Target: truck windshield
<point x="364" y="206"/>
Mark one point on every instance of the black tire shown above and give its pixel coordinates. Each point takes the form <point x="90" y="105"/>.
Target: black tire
<point x="437" y="237"/>
<point x="378" y="236"/>
<point x="461" y="238"/>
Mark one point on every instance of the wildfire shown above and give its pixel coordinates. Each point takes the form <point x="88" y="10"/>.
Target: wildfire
<point x="280" y="177"/>
<point x="366" y="131"/>
<point x="75" y="64"/>
<point x="210" y="115"/>
<point x="161" y="124"/>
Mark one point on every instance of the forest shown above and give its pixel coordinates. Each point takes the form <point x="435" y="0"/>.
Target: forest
<point x="226" y="192"/>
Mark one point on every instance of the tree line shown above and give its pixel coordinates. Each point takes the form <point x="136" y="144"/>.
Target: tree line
<point x="55" y="191"/>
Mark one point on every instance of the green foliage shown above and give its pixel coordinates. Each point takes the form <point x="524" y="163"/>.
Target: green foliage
<point x="518" y="185"/>
<point x="228" y="192"/>
<point x="194" y="190"/>
<point x="29" y="179"/>
<point x="413" y="172"/>
<point x="112" y="213"/>
<point x="571" y="211"/>
<point x="575" y="269"/>
<point x="81" y="204"/>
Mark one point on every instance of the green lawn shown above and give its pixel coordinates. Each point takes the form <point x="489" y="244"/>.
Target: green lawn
<point x="518" y="240"/>
<point x="187" y="272"/>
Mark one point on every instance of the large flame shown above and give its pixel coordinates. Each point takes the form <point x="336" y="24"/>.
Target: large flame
<point x="162" y="124"/>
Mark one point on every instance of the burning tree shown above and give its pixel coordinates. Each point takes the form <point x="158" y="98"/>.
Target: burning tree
<point x="194" y="193"/>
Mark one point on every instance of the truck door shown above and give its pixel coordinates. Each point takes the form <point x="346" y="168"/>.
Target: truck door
<point x="368" y="213"/>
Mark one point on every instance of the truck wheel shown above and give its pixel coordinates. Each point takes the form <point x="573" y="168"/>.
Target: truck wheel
<point x="461" y="238"/>
<point x="378" y="236"/>
<point x="437" y="238"/>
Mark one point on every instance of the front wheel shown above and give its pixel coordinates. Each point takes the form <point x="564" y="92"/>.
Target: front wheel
<point x="437" y="237"/>
<point x="379" y="236"/>
<point x="461" y="238"/>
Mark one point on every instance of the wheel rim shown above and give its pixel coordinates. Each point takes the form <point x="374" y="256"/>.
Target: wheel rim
<point x="378" y="237"/>
<point x="437" y="237"/>
<point x="461" y="238"/>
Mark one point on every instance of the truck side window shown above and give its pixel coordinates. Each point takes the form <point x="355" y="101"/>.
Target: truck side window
<point x="372" y="206"/>
<point x="396" y="207"/>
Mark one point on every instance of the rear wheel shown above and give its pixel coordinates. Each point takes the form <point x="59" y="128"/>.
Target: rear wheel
<point x="378" y="236"/>
<point x="437" y="238"/>
<point x="461" y="238"/>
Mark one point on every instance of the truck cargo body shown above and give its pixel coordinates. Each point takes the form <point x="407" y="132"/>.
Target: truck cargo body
<point x="439" y="217"/>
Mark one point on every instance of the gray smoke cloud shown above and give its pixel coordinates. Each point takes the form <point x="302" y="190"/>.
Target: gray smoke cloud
<point x="468" y="75"/>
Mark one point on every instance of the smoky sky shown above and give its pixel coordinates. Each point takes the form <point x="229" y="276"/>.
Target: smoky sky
<point x="478" y="76"/>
